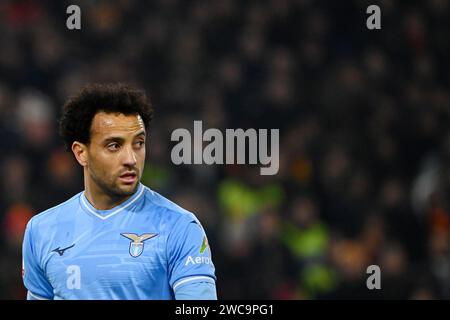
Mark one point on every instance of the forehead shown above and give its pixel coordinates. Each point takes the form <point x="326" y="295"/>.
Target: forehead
<point x="107" y="124"/>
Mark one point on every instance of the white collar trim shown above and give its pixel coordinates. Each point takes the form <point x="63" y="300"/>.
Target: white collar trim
<point x="88" y="206"/>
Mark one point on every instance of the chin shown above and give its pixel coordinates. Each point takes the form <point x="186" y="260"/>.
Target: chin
<point x="129" y="189"/>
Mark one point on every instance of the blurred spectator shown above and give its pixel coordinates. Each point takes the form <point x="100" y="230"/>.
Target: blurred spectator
<point x="364" y="141"/>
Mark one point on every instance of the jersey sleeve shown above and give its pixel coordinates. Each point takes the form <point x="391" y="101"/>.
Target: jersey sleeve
<point x="189" y="256"/>
<point x="33" y="276"/>
<point x="196" y="291"/>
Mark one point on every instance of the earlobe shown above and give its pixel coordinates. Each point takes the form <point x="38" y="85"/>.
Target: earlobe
<point x="80" y="152"/>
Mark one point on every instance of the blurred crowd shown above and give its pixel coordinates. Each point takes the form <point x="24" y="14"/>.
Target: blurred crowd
<point x="364" y="133"/>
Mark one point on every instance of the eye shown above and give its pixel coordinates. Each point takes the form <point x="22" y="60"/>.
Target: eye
<point x="113" y="146"/>
<point x="140" y="144"/>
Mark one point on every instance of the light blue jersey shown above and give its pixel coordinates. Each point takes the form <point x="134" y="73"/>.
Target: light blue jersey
<point x="145" y="248"/>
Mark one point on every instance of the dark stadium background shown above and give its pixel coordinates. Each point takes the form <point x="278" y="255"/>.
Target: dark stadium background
<point x="363" y="116"/>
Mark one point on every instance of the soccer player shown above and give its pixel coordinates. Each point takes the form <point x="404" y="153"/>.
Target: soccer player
<point x="117" y="239"/>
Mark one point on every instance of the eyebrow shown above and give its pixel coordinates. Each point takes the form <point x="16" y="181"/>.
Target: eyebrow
<point x="120" y="139"/>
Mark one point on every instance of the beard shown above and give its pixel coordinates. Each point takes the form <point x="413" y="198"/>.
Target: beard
<point x="111" y="187"/>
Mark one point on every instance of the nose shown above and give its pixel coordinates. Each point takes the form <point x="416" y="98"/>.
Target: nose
<point x="129" y="158"/>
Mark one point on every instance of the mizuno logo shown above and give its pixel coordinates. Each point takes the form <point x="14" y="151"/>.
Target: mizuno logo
<point x="61" y="251"/>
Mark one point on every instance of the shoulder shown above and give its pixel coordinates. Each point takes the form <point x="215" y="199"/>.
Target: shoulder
<point x="168" y="211"/>
<point x="53" y="215"/>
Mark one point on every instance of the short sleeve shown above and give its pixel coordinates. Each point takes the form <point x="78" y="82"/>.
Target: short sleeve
<point x="33" y="276"/>
<point x="196" y="291"/>
<point x="189" y="254"/>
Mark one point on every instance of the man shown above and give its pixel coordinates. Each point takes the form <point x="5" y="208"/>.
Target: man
<point x="117" y="239"/>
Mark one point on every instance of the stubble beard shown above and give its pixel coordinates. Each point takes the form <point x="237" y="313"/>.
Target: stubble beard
<point x="112" y="188"/>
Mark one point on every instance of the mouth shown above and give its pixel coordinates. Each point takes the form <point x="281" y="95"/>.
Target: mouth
<point x="128" y="177"/>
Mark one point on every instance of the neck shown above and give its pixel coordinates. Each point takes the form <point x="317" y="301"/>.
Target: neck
<point x="99" y="199"/>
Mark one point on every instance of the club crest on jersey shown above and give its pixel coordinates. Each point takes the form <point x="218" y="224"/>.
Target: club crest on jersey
<point x="137" y="242"/>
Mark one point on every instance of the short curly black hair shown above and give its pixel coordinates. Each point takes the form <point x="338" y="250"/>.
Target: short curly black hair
<point x="78" y="112"/>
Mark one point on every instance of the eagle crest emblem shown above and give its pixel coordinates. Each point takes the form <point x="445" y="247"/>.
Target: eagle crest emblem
<point x="137" y="242"/>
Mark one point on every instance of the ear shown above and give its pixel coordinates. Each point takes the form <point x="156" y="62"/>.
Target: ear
<point x="81" y="153"/>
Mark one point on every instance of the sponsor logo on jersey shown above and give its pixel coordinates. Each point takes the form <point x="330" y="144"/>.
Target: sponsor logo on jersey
<point x="205" y="244"/>
<point x="61" y="251"/>
<point x="197" y="260"/>
<point x="200" y="259"/>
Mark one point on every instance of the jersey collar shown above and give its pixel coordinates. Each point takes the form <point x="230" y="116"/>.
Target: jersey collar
<point x="105" y="214"/>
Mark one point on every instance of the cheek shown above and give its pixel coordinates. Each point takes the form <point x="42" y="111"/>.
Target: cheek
<point x="141" y="157"/>
<point x="103" y="163"/>
<point x="141" y="153"/>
